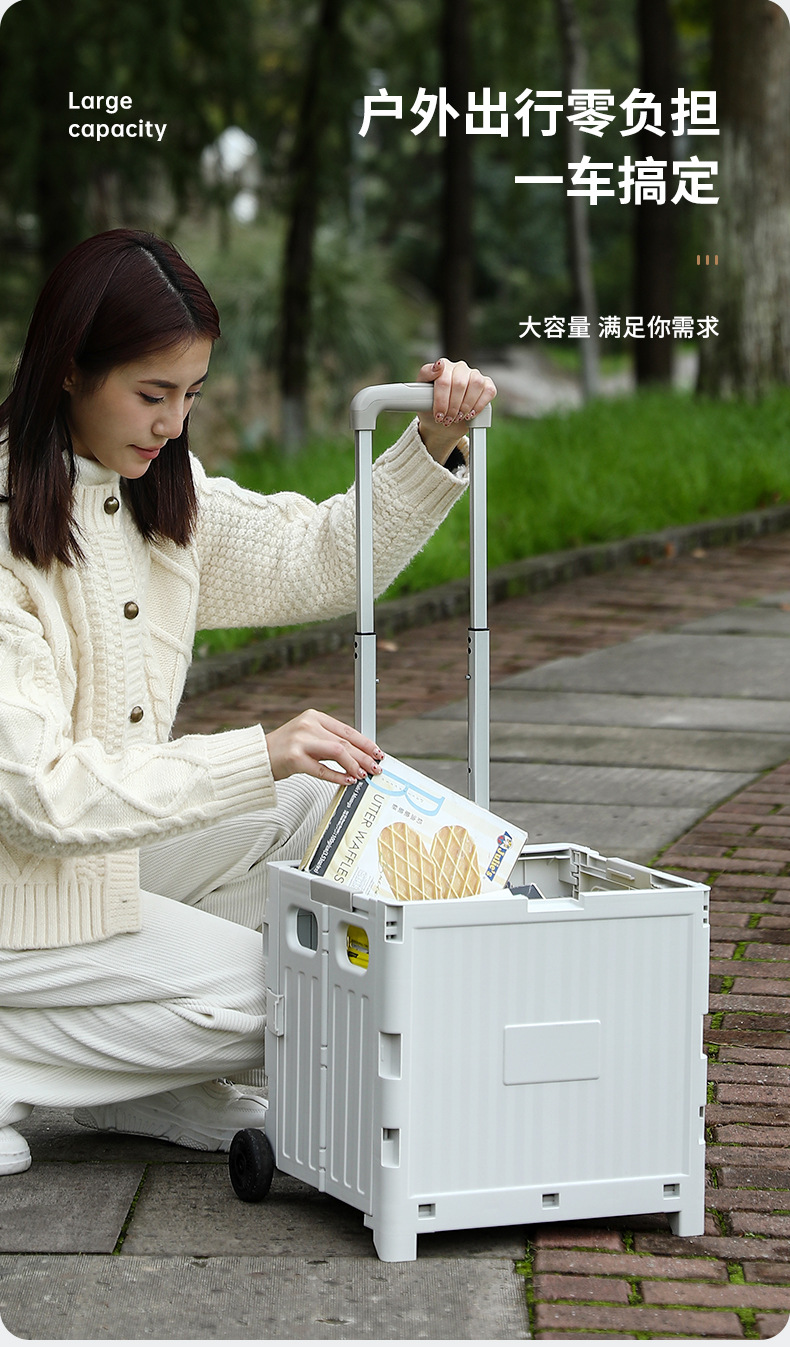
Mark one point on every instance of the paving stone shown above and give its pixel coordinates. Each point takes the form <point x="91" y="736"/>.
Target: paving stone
<point x="739" y="1173"/>
<point x="774" y="600"/>
<point x="612" y="745"/>
<point x="655" y="1322"/>
<point x="572" y="784"/>
<point x="753" y="1136"/>
<point x="766" y="1056"/>
<point x="731" y="1001"/>
<point x="747" y="1199"/>
<point x="769" y="1325"/>
<point x="770" y="986"/>
<point x="767" y="1272"/>
<point x="512" y="701"/>
<point x="733" y="1248"/>
<point x="196" y="1212"/>
<point x="65" y="1208"/>
<point x="52" y="1134"/>
<point x="740" y="1072"/>
<point x="761" y="1223"/>
<point x="576" y="1288"/>
<point x="739" y="1296"/>
<point x="748" y="620"/>
<point x="262" y="1298"/>
<point x="729" y="1113"/>
<point x="579" y="1235"/>
<point x="628" y="1264"/>
<point x="658" y="665"/>
<point x="635" y="832"/>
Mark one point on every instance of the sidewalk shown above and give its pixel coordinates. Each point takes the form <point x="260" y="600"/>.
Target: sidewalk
<point x="631" y="709"/>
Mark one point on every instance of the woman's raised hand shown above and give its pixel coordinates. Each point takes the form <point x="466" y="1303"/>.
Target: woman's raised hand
<point x="307" y="742"/>
<point x="459" y="393"/>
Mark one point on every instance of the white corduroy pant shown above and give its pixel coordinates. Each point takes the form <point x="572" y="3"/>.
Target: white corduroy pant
<point x="182" y="1000"/>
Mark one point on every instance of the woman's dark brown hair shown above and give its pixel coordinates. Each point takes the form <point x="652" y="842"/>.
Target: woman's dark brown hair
<point x="113" y="299"/>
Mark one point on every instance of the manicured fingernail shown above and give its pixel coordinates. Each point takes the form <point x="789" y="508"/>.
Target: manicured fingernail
<point x="350" y="780"/>
<point x="438" y="416"/>
<point x="437" y="364"/>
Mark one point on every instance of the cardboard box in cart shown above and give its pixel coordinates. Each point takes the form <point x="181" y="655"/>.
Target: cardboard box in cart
<point x="504" y="1058"/>
<point x="501" y="1060"/>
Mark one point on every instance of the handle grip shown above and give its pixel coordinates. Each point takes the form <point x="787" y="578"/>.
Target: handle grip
<point x="370" y="402"/>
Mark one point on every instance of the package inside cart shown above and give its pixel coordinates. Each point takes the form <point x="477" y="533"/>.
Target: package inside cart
<point x="511" y="1055"/>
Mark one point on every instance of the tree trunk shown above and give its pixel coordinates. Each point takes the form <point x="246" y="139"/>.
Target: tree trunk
<point x="574" y="66"/>
<point x="654" y="235"/>
<point x="57" y="179"/>
<point x="749" y="291"/>
<point x="456" y="260"/>
<point x="304" y="172"/>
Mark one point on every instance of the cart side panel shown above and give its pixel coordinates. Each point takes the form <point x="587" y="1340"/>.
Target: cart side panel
<point x="555" y="1051"/>
<point x="296" y="1041"/>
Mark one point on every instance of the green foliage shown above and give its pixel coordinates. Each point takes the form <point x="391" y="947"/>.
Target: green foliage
<point x="363" y="327"/>
<point x="615" y="469"/>
<point x="201" y="69"/>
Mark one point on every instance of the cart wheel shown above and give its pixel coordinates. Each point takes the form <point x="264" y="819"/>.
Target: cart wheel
<point x="251" y="1164"/>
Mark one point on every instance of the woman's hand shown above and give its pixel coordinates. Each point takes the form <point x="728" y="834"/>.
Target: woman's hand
<point x="459" y="393"/>
<point x="302" y="745"/>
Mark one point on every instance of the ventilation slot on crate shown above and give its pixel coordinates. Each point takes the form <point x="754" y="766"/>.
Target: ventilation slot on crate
<point x="550" y="1200"/>
<point x="390" y="1055"/>
<point x="306" y="929"/>
<point x="671" y="1190"/>
<point x="390" y="1147"/>
<point x="393" y="923"/>
<point x="426" y="1209"/>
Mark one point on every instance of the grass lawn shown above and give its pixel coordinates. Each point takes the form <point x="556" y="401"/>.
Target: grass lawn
<point x="609" y="470"/>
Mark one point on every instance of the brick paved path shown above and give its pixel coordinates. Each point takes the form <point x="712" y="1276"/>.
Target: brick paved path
<point x="630" y="1277"/>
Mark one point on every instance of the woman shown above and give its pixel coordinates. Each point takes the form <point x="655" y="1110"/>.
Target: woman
<point x="116" y="1000"/>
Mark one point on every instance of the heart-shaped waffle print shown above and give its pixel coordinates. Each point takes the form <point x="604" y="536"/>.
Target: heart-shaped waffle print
<point x="454" y="854"/>
<point x="448" y="870"/>
<point x="408" y="867"/>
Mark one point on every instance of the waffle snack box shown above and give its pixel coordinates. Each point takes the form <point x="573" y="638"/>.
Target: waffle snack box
<point x="401" y="835"/>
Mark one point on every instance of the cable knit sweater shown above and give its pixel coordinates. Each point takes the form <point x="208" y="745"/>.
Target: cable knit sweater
<point x="93" y="660"/>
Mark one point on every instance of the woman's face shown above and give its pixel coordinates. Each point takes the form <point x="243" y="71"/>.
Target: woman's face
<point x="128" y="419"/>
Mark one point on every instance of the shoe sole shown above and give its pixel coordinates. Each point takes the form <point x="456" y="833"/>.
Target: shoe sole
<point x="136" y="1122"/>
<point x="17" y="1165"/>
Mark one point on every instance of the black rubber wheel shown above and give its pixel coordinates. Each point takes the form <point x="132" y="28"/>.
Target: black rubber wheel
<point x="251" y="1164"/>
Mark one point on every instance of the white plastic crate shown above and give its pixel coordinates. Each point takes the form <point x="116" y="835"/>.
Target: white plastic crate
<point x="501" y="1060"/>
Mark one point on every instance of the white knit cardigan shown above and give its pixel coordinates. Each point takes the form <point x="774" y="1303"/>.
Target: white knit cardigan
<point x="84" y="777"/>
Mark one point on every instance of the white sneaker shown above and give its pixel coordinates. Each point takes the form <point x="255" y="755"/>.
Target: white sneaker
<point x="14" y="1152"/>
<point x="205" y="1117"/>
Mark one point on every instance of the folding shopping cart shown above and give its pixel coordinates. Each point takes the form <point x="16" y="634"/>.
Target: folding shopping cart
<point x="529" y="1055"/>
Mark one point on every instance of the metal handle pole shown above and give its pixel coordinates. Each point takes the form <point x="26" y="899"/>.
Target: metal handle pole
<point x="365" y="638"/>
<point x="478" y="753"/>
<point x="365" y="409"/>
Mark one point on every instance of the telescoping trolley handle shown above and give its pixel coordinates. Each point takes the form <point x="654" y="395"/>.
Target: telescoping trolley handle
<point x="365" y="409"/>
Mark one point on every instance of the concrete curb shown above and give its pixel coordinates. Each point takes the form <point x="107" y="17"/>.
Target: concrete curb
<point x="528" y="576"/>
